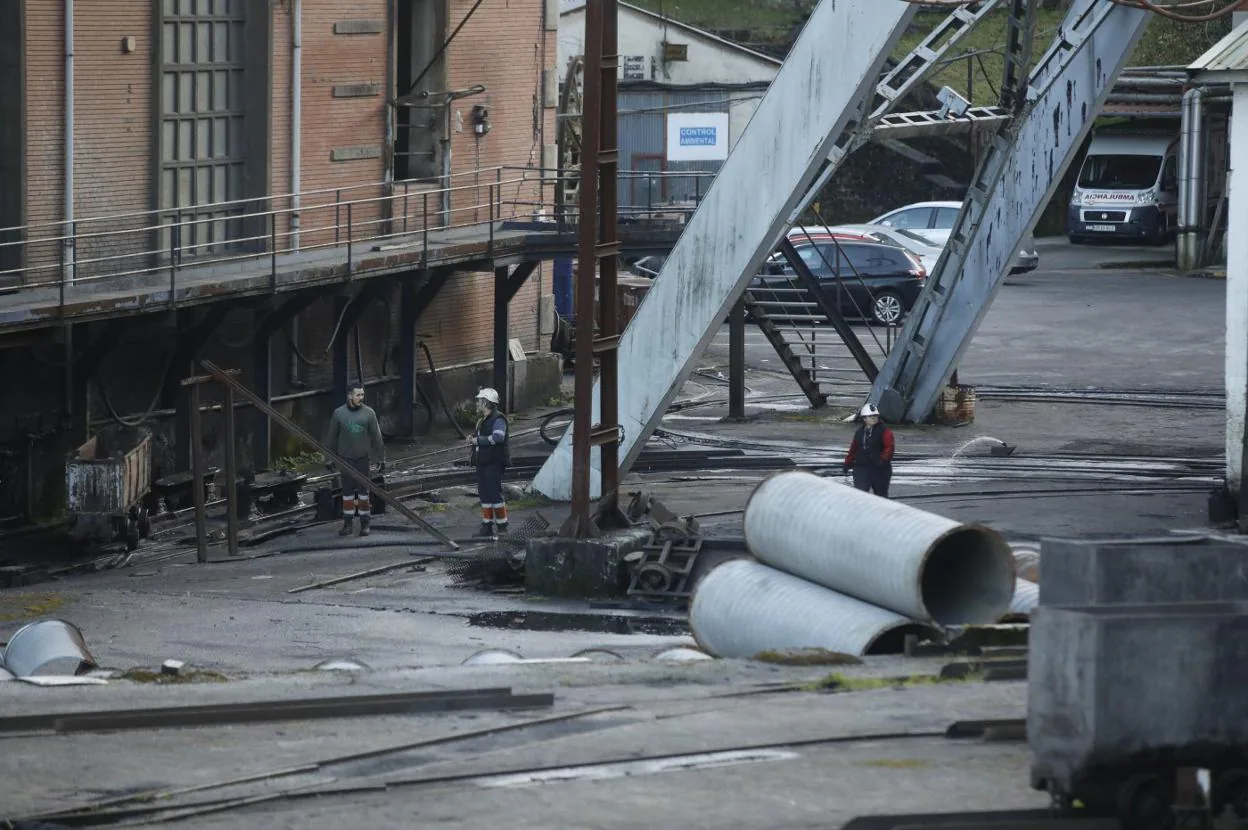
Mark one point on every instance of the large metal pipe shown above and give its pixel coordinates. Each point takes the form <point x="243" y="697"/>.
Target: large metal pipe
<point x="918" y="564"/>
<point x="1191" y="229"/>
<point x="68" y="247"/>
<point x="744" y="608"/>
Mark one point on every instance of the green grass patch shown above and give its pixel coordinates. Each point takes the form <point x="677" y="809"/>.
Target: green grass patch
<point x="807" y="657"/>
<point x="181" y="678"/>
<point x="837" y="682"/>
<point x="763" y="19"/>
<point x="29" y="607"/>
<point x="300" y="462"/>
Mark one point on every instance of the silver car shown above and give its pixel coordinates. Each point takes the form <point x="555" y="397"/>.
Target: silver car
<point x="934" y="220"/>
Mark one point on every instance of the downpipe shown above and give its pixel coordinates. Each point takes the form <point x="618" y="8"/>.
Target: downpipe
<point x="917" y="564"/>
<point x="743" y="608"/>
<point x="1190" y="240"/>
<point x="68" y="246"/>
<point x="296" y="120"/>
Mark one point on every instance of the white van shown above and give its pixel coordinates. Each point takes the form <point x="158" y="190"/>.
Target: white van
<point x="1128" y="189"/>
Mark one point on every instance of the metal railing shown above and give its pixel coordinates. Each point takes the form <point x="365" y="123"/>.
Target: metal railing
<point x="289" y="233"/>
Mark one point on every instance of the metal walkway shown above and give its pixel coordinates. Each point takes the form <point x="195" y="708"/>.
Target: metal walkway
<point x="122" y="265"/>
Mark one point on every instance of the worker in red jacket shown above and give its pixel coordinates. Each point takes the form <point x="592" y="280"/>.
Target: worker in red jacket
<point x="870" y="454"/>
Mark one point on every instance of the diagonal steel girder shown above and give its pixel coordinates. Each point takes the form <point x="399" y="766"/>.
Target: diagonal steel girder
<point x="1017" y="178"/>
<point x="834" y="64"/>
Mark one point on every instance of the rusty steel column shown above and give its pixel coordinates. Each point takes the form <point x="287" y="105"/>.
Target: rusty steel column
<point x="607" y="432"/>
<point x="597" y="256"/>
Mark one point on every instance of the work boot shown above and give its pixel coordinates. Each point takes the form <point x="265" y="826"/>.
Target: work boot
<point x="364" y="520"/>
<point x="500" y="529"/>
<point x="486" y="531"/>
<point x="346" y="526"/>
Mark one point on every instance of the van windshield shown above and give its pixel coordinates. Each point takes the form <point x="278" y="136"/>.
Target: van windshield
<point x="1120" y="172"/>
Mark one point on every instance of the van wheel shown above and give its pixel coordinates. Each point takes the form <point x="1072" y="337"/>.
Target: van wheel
<point x="1077" y="240"/>
<point x="1162" y="234"/>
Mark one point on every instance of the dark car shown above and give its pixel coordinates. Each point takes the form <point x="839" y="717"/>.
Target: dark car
<point x="862" y="280"/>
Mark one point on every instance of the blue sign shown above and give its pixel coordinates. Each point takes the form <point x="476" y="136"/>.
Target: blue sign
<point x="698" y="136"/>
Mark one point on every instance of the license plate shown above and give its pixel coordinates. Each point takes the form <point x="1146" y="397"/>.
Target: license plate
<point x="1104" y="228"/>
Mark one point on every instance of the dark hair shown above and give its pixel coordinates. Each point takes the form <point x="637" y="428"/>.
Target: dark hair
<point x="355" y="386"/>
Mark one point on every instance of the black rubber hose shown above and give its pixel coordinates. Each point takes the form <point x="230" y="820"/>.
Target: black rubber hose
<point x="542" y="430"/>
<point x="437" y="385"/>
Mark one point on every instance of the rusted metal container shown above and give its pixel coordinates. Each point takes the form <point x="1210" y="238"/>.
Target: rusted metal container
<point x="956" y="405"/>
<point x="106" y="480"/>
<point x="630" y="292"/>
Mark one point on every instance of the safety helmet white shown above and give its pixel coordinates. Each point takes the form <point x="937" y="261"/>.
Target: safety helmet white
<point x="869" y="410"/>
<point x="488" y="394"/>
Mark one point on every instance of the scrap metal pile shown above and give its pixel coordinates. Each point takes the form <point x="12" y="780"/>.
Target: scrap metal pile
<point x="845" y="571"/>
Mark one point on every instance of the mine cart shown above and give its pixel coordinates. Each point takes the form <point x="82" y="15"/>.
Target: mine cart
<point x="107" y="480"/>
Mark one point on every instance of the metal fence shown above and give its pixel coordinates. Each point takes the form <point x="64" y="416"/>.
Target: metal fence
<point x="60" y="260"/>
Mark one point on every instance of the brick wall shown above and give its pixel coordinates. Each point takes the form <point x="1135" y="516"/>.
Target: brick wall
<point x="44" y="166"/>
<point x="505" y="48"/>
<point x="112" y="130"/>
<point x="337" y="119"/>
<point x="112" y="136"/>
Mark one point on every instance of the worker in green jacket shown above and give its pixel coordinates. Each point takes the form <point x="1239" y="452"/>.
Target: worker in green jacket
<point x="355" y="437"/>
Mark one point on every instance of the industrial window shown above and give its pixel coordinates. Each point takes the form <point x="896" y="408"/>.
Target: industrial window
<point x="202" y="139"/>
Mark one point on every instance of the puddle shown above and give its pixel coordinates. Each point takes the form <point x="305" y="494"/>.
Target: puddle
<point x="594" y="623"/>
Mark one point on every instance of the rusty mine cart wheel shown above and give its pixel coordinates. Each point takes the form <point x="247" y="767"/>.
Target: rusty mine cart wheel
<point x="655" y="578"/>
<point x="1230" y="789"/>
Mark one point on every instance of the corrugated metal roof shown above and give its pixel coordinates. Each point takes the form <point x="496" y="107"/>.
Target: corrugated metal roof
<point x="1230" y="54"/>
<point x="569" y="6"/>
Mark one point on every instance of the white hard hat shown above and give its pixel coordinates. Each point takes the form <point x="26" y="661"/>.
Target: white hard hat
<point x="869" y="410"/>
<point x="488" y="394"/>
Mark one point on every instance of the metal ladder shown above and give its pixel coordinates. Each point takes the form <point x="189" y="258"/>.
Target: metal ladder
<point x="799" y="330"/>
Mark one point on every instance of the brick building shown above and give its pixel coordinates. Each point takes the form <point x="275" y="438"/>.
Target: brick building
<point x="178" y="137"/>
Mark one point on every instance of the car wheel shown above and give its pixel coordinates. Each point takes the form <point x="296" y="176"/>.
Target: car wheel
<point x="1077" y="240"/>
<point x="888" y="308"/>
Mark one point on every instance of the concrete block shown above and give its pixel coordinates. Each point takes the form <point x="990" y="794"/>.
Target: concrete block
<point x="579" y="568"/>
<point x="1098" y="572"/>
<point x="1113" y="689"/>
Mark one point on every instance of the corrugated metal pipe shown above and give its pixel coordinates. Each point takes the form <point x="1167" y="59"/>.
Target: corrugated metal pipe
<point x="1190" y="240"/>
<point x="1026" y="598"/>
<point x="917" y="564"/>
<point x="743" y="608"/>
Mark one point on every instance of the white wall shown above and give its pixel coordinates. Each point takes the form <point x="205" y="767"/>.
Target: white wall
<point x="641" y="52"/>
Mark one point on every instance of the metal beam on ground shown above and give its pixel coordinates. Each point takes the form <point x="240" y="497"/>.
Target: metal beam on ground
<point x="726" y="241"/>
<point x="344" y="468"/>
<point x="1021" y="169"/>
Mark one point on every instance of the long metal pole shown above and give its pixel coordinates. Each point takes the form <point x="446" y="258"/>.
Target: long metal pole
<point x="736" y="360"/>
<point x="344" y="468"/>
<point x="231" y="475"/>
<point x="197" y="475"/>
<point x="579" y="522"/>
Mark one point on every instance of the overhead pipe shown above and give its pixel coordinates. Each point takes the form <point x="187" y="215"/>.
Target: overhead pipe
<point x="743" y="608"/>
<point x="68" y="245"/>
<point x="1190" y="239"/>
<point x="917" y="564"/>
